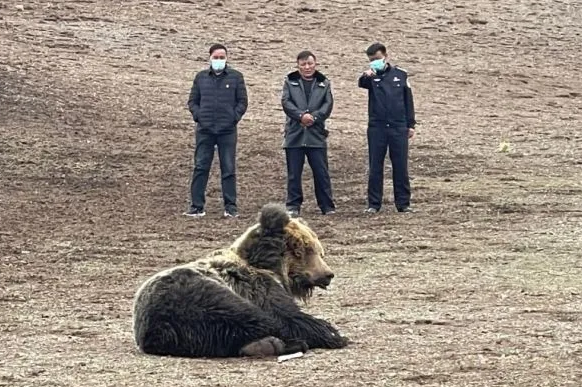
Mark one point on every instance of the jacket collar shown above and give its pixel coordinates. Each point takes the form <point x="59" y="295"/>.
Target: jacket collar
<point x="296" y="76"/>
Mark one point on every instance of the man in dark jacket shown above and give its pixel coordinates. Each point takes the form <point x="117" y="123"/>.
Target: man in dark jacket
<point x="218" y="100"/>
<point x="391" y="122"/>
<point x="307" y="102"/>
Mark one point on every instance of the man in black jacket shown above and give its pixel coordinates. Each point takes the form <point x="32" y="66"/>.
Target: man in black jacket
<point x="307" y="102"/>
<point x="218" y="100"/>
<point x="391" y="122"/>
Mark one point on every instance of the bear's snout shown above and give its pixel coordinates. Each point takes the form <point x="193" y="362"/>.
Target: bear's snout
<point x="324" y="281"/>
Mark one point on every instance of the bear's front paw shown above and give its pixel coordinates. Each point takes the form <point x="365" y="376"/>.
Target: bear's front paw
<point x="292" y="346"/>
<point x="344" y="341"/>
<point x="337" y="341"/>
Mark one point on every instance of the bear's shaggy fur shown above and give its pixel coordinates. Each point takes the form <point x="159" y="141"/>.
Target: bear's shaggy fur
<point x="239" y="301"/>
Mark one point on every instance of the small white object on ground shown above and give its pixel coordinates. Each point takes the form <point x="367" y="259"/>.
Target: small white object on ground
<point x="283" y="358"/>
<point x="504" y="146"/>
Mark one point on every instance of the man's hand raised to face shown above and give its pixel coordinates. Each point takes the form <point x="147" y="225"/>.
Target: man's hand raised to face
<point x="369" y="73"/>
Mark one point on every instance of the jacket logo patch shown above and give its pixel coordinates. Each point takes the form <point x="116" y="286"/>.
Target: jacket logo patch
<point x="396" y="79"/>
<point x="294" y="83"/>
<point x="321" y="84"/>
<point x="377" y="79"/>
<point x="227" y="85"/>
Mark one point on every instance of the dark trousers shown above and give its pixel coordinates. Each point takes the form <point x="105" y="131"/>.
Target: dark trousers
<point x="395" y="141"/>
<point x="317" y="158"/>
<point x="203" y="156"/>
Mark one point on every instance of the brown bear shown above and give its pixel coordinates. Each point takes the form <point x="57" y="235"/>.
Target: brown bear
<point x="241" y="300"/>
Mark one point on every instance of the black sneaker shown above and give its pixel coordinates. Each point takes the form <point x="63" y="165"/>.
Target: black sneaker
<point x="195" y="212"/>
<point x="371" y="210"/>
<point x="328" y="212"/>
<point x="231" y="213"/>
<point x="405" y="209"/>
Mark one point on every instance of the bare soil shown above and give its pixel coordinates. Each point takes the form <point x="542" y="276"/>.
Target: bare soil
<point x="482" y="286"/>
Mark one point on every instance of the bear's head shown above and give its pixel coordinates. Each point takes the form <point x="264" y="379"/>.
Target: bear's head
<point x="304" y="259"/>
<point x="287" y="247"/>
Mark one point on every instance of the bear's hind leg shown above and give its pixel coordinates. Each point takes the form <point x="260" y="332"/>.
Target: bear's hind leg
<point x="187" y="314"/>
<point x="265" y="347"/>
<point x="272" y="346"/>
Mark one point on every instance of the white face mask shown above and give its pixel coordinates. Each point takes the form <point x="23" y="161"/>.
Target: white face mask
<point x="218" y="64"/>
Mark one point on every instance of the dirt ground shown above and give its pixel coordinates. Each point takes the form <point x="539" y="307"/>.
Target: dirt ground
<point x="481" y="287"/>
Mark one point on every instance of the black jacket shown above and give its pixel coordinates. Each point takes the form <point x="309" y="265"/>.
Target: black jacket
<point x="390" y="100"/>
<point x="218" y="102"/>
<point x="295" y="104"/>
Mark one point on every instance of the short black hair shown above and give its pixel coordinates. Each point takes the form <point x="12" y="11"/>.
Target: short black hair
<point x="217" y="46"/>
<point x="374" y="48"/>
<point x="303" y="55"/>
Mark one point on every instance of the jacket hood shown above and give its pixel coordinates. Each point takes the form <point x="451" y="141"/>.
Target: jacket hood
<point x="295" y="76"/>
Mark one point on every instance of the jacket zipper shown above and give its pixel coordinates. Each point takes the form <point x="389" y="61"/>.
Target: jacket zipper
<point x="306" y="111"/>
<point x="215" y="99"/>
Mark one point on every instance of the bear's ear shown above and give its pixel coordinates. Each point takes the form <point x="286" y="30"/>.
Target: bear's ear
<point x="273" y="218"/>
<point x="246" y="242"/>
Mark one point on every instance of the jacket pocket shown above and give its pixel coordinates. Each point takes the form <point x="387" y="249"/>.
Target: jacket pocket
<point x="204" y="118"/>
<point x="321" y="130"/>
<point x="233" y="114"/>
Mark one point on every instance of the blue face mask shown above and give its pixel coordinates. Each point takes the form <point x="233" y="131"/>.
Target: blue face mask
<point x="377" y="65"/>
<point x="218" y="64"/>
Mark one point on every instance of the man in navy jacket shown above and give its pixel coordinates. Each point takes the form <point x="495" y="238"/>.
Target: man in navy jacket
<point x="218" y="100"/>
<point x="391" y="122"/>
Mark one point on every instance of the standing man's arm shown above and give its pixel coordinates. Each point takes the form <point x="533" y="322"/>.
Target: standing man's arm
<point x="242" y="100"/>
<point x="409" y="103"/>
<point x="326" y="108"/>
<point x="194" y="99"/>
<point x="289" y="107"/>
<point x="365" y="80"/>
